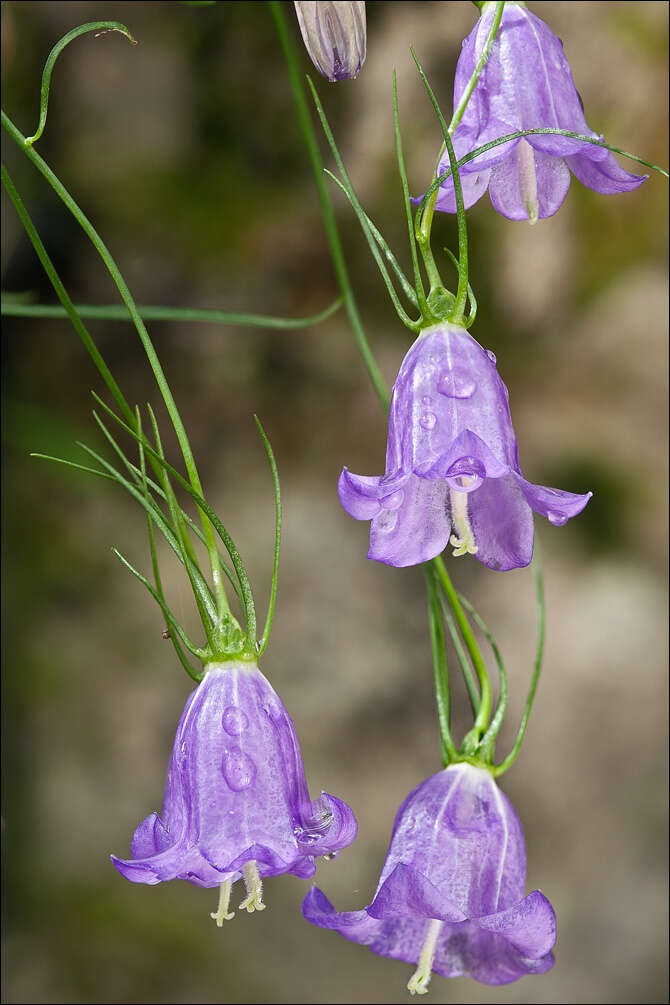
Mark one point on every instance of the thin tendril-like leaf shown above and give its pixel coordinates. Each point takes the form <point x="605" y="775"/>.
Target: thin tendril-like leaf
<point x="154" y="510"/>
<point x="181" y="532"/>
<point x="537" y="667"/>
<point x="466" y="667"/>
<point x="102" y="27"/>
<point x="228" y="543"/>
<point x="478" y="151"/>
<point x="112" y="312"/>
<point x="263" y="641"/>
<point x="172" y="622"/>
<point x="440" y="669"/>
<point x="360" y="213"/>
<point x="496" y="722"/>
<point x="418" y="282"/>
<point x="461" y="293"/>
<point x="407" y="287"/>
<point x="200" y="587"/>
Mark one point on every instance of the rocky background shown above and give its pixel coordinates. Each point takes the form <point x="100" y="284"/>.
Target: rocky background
<point x="185" y="154"/>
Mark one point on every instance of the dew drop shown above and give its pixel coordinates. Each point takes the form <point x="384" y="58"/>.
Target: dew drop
<point x="234" y="720"/>
<point x="427" y="420"/>
<point x="238" y="769"/>
<point x="387" y="520"/>
<point x="393" y="501"/>
<point x="426" y="400"/>
<point x="491" y="355"/>
<point x="557" y="518"/>
<point x="455" y="384"/>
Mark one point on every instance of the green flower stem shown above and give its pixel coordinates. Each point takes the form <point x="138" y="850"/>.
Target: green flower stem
<point x="69" y="309"/>
<point x="442" y="694"/>
<point x="339" y="264"/>
<point x="484" y="713"/>
<point x="111" y="312"/>
<point x="537" y="667"/>
<point x="426" y="216"/>
<point x="101" y="248"/>
<point x="263" y="641"/>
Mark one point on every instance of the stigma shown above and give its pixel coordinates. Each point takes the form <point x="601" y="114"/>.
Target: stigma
<point x="420" y="979"/>
<point x="252" y="902"/>
<point x="463" y="540"/>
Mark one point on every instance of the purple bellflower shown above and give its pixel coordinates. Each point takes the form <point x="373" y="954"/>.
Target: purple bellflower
<point x="236" y="801"/>
<point x="450" y="898"/>
<point x="334" y="34"/>
<point x="452" y="464"/>
<point x="526" y="84"/>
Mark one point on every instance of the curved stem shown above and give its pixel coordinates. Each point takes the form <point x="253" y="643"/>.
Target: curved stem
<point x="112" y="312"/>
<point x="339" y="265"/>
<point x="537" y="667"/>
<point x="112" y="268"/>
<point x="440" y="669"/>
<point x="484" y="713"/>
<point x="425" y="226"/>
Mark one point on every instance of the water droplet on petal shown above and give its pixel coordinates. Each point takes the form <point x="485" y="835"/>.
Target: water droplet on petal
<point x="456" y="384"/>
<point x="557" y="518"/>
<point x="234" y="720"/>
<point x="238" y="769"/>
<point x="386" y="520"/>
<point x="393" y="501"/>
<point x="426" y="400"/>
<point x="428" y="420"/>
<point x="491" y="355"/>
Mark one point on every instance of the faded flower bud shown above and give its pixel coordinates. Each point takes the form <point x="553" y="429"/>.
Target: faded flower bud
<point x="334" y="35"/>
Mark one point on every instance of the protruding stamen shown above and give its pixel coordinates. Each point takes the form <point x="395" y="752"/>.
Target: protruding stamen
<point x="222" y="912"/>
<point x="525" y="157"/>
<point x="420" y="979"/>
<point x="252" y="880"/>
<point x="463" y="540"/>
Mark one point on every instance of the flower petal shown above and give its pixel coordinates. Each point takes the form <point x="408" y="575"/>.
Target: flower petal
<point x="417" y="530"/>
<point x="473" y="183"/>
<point x="529" y="926"/>
<point x="359" y="495"/>
<point x="604" y="175"/>
<point x="511" y="193"/>
<point x="407" y="893"/>
<point x="467" y="445"/>
<point x="318" y="909"/>
<point x="502" y="523"/>
<point x="554" y="504"/>
<point x="467" y="950"/>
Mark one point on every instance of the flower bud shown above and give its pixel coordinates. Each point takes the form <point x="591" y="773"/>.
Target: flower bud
<point x="334" y="35"/>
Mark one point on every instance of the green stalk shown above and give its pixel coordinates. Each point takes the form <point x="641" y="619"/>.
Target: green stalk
<point x="111" y="312"/>
<point x="425" y="226"/>
<point x="339" y="264"/>
<point x="485" y="703"/>
<point x="101" y="248"/>
<point x="440" y="669"/>
<point x="537" y="667"/>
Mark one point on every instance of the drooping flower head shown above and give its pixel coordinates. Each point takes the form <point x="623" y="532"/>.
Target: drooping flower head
<point x="452" y="464"/>
<point x="526" y="84"/>
<point x="450" y="898"/>
<point x="236" y="800"/>
<point x="334" y="34"/>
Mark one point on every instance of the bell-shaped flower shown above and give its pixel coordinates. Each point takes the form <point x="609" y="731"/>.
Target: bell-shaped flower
<point x="334" y="33"/>
<point x="526" y="84"/>
<point x="452" y="464"/>
<point x="450" y="898"/>
<point x="236" y="802"/>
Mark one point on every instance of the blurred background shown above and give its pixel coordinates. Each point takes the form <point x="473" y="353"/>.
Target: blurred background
<point x="185" y="154"/>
